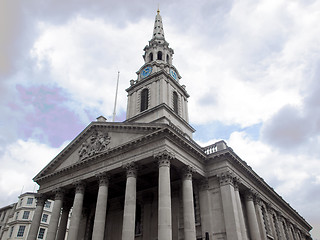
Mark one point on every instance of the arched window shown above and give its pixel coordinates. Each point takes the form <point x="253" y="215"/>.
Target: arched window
<point x="150" y="57"/>
<point x="167" y="58"/>
<point x="175" y="102"/>
<point x="144" y="99"/>
<point x="159" y="55"/>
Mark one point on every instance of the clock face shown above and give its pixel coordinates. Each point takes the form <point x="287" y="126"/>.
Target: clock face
<point x="146" y="72"/>
<point x="173" y="74"/>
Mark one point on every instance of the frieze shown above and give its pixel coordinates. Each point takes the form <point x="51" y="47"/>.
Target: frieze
<point x="96" y="143"/>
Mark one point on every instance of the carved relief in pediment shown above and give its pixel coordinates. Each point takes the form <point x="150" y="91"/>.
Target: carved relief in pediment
<point x="96" y="143"/>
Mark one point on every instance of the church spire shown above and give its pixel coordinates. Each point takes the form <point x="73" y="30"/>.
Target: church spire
<point x="158" y="32"/>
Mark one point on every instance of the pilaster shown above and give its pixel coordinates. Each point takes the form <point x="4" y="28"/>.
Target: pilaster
<point x="205" y="209"/>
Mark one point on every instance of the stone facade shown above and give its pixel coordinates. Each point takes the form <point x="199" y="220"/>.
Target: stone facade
<point x="147" y="179"/>
<point x="17" y="219"/>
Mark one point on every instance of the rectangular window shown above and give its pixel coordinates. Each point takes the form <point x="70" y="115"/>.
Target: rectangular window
<point x="21" y="231"/>
<point x="41" y="233"/>
<point x="47" y="204"/>
<point x="26" y="214"/>
<point x="3" y="216"/>
<point x="44" y="218"/>
<point x="11" y="231"/>
<point x="21" y="201"/>
<point x="17" y="215"/>
<point x="29" y="201"/>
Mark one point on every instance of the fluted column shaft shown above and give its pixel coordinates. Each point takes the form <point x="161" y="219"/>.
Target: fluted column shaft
<point x="164" y="202"/>
<point x="33" y="232"/>
<point x="76" y="212"/>
<point x="262" y="227"/>
<point x="55" y="215"/>
<point x="101" y="208"/>
<point x="271" y="222"/>
<point x="129" y="212"/>
<point x="63" y="221"/>
<point x="252" y="217"/>
<point x="188" y="205"/>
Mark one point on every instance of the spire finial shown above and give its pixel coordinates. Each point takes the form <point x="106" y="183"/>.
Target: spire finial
<point x="158" y="11"/>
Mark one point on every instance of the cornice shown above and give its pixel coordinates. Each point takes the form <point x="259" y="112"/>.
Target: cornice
<point x="233" y="158"/>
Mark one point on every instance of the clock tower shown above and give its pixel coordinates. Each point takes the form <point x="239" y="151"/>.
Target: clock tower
<point x="157" y="96"/>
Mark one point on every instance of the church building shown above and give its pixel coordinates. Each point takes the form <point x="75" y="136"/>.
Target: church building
<point x="146" y="179"/>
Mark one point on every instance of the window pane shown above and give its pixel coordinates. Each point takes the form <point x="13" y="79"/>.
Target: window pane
<point x="47" y="204"/>
<point x="21" y="231"/>
<point x="25" y="214"/>
<point x="30" y="201"/>
<point x="44" y="218"/>
<point x="41" y="233"/>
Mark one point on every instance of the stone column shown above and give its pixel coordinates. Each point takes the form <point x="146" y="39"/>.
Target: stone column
<point x="76" y="211"/>
<point x="252" y="217"/>
<point x="188" y="205"/>
<point x="280" y="225"/>
<point x="129" y="212"/>
<point x="55" y="215"/>
<point x="101" y="208"/>
<point x="63" y="220"/>
<point x="240" y="211"/>
<point x="229" y="205"/>
<point x="205" y="209"/>
<point x="262" y="227"/>
<point x="271" y="222"/>
<point x="33" y="232"/>
<point x="164" y="203"/>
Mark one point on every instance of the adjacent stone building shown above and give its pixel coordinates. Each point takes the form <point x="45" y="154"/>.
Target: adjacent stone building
<point x="16" y="218"/>
<point x="147" y="179"/>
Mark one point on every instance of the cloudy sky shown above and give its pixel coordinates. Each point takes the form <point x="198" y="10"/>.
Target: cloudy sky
<point x="251" y="67"/>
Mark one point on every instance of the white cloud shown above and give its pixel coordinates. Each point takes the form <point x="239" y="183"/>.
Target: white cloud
<point x="294" y="177"/>
<point x="85" y="55"/>
<point x="21" y="161"/>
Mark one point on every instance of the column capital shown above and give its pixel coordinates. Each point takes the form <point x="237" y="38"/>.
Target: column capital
<point x="257" y="199"/>
<point x="236" y="183"/>
<point x="249" y="195"/>
<point x="80" y="186"/>
<point x="59" y="193"/>
<point x="131" y="169"/>
<point x="103" y="178"/>
<point x="164" y="158"/>
<point x="187" y="172"/>
<point x="40" y="198"/>
<point x="226" y="178"/>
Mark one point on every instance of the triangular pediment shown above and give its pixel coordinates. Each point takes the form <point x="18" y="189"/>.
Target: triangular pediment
<point x="97" y="138"/>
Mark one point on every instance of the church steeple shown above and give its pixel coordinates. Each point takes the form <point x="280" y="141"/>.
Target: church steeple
<point x="158" y="32"/>
<point x="156" y="95"/>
